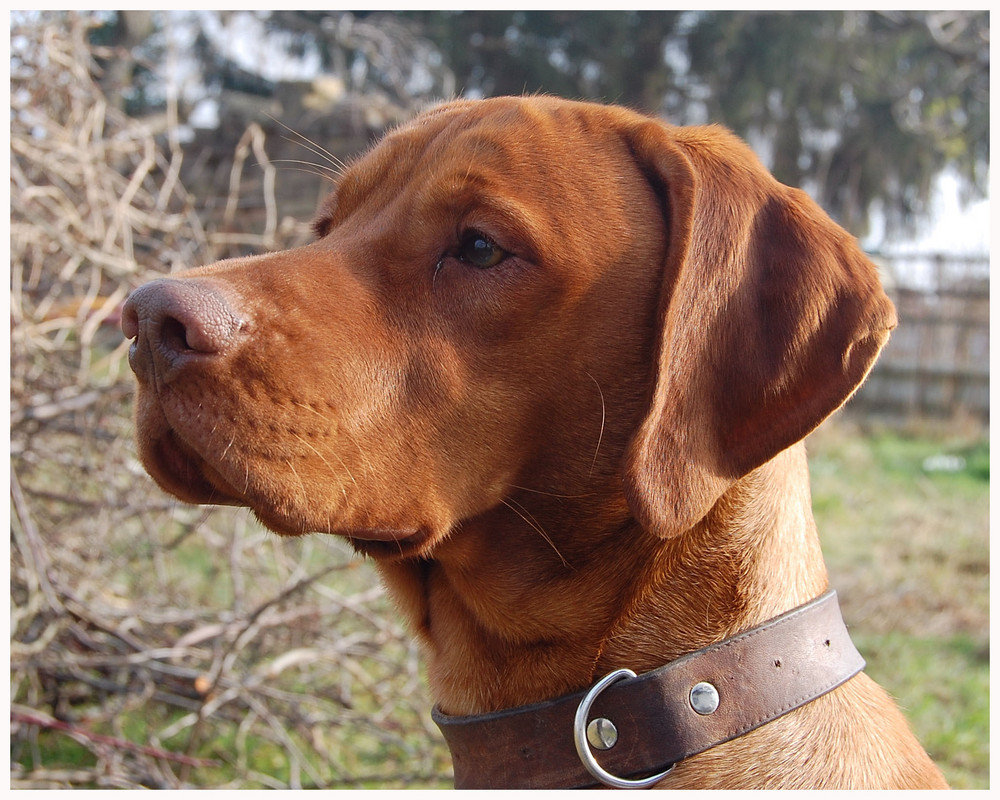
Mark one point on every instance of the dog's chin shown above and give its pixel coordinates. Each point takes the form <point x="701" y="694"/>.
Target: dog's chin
<point x="380" y="544"/>
<point x="367" y="540"/>
<point x="414" y="544"/>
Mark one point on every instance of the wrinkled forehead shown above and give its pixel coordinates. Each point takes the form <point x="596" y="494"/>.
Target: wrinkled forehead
<point x="484" y="134"/>
<point x="464" y="142"/>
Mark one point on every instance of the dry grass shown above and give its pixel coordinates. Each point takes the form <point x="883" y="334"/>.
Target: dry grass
<point x="154" y="644"/>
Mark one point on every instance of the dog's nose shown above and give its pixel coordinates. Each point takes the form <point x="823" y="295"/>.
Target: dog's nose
<point x="177" y="322"/>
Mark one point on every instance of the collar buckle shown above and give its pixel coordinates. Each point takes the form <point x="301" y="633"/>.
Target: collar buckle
<point x="582" y="736"/>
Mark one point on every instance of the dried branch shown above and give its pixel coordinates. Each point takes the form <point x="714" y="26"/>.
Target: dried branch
<point x="172" y="646"/>
<point x="19" y="714"/>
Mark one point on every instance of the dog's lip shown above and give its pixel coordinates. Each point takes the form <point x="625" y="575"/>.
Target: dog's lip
<point x="384" y="534"/>
<point x="392" y="544"/>
<point x="364" y="539"/>
<point x="183" y="473"/>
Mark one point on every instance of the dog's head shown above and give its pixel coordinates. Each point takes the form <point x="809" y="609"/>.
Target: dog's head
<point x="508" y="295"/>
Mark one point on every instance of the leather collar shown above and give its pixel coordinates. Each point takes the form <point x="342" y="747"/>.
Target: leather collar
<point x="757" y="675"/>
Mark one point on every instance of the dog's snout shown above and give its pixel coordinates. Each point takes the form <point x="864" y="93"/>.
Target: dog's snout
<point x="174" y="322"/>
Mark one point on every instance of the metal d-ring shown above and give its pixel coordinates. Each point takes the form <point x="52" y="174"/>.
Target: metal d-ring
<point x="583" y="747"/>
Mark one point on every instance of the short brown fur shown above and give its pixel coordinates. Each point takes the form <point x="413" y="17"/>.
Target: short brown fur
<point x="583" y="457"/>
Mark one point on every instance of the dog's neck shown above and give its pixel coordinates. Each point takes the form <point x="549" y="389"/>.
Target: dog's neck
<point x="511" y="614"/>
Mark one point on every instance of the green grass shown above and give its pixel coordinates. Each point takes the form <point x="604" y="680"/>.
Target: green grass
<point x="907" y="546"/>
<point x="943" y="685"/>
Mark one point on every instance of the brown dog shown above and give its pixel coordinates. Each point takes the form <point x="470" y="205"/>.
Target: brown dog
<point x="549" y="364"/>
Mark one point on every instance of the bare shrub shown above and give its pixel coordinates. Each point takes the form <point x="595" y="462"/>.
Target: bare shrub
<point x="152" y="644"/>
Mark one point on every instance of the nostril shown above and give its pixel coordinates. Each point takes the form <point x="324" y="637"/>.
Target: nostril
<point x="174" y="320"/>
<point x="174" y="335"/>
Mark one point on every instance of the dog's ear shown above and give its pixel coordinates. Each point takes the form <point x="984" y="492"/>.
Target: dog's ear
<point x="770" y="317"/>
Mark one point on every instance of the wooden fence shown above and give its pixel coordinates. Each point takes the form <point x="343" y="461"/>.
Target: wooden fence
<point x="936" y="365"/>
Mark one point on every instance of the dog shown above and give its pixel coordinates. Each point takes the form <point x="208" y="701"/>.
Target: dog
<point x="549" y="364"/>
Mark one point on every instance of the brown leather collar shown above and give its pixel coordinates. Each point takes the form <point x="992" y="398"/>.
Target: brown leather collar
<point x="757" y="675"/>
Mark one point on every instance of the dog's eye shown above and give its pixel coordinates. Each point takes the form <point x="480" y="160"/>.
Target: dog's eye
<point x="480" y="251"/>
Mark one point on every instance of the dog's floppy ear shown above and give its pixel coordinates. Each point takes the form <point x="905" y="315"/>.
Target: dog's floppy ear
<point x="770" y="317"/>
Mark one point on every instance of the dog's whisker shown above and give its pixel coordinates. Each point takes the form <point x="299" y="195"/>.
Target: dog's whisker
<point x="322" y="458"/>
<point x="346" y="434"/>
<point x="361" y="454"/>
<point x="312" y="146"/>
<point x="524" y="514"/>
<point x="600" y="436"/>
<point x="302" y="486"/>
<point x="318" y="170"/>
<point x="551" y="494"/>
<point x="338" y="166"/>
<point x="332" y="170"/>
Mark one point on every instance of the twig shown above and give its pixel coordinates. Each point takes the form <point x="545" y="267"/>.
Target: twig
<point x="56" y="408"/>
<point x="33" y="552"/>
<point x="225" y="658"/>
<point x="34" y="717"/>
<point x="115" y="603"/>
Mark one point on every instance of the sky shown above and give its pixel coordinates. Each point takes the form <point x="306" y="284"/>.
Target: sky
<point x="954" y="227"/>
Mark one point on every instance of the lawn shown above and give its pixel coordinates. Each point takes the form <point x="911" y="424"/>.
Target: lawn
<point x="904" y="521"/>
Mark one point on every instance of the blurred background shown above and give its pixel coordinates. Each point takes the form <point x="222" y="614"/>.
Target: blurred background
<point x="159" y="645"/>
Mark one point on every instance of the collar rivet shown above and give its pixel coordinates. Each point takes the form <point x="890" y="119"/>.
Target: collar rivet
<point x="704" y="698"/>
<point x="602" y="734"/>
